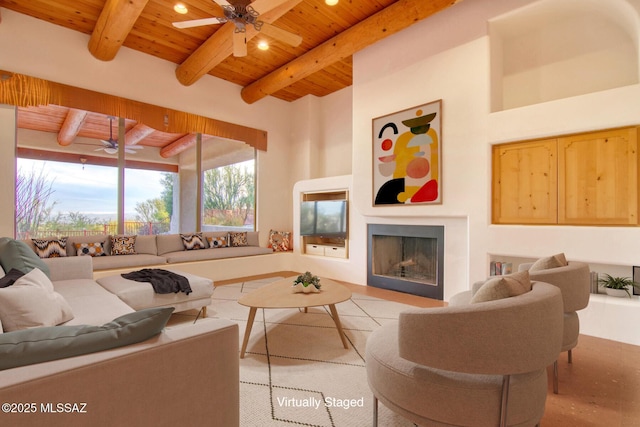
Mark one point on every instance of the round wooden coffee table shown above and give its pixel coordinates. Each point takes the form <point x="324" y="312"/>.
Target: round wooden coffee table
<point x="279" y="295"/>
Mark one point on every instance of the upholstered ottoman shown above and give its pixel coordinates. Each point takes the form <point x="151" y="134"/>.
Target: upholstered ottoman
<point x="140" y="295"/>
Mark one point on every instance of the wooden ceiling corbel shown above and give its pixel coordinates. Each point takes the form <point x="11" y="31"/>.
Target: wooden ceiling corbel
<point x="388" y="21"/>
<point x="113" y="26"/>
<point x="220" y="46"/>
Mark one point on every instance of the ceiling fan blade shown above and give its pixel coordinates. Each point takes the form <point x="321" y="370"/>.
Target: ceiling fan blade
<point x="222" y="2"/>
<point x="199" y="22"/>
<point x="280" y="34"/>
<point x="239" y="44"/>
<point x="134" y="147"/>
<point x="111" y="150"/>
<point x="263" y="6"/>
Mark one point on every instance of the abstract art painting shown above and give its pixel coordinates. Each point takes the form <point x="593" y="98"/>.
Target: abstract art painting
<point x="407" y="156"/>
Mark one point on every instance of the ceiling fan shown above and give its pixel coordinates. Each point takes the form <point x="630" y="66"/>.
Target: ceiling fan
<point x="110" y="146"/>
<point x="243" y="13"/>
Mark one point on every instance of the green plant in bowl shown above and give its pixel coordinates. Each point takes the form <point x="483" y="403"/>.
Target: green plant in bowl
<point x="619" y="283"/>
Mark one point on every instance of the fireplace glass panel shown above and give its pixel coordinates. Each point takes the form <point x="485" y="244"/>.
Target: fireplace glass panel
<point x="413" y="259"/>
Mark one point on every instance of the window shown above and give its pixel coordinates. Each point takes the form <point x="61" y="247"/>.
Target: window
<point x="64" y="199"/>
<point x="229" y="197"/>
<point x="67" y="199"/>
<point x="148" y="201"/>
<point x="68" y="184"/>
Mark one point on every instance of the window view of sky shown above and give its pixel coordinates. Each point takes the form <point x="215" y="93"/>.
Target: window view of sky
<point x="92" y="190"/>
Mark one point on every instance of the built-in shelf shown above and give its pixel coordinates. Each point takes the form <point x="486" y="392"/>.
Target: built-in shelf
<point x="327" y="246"/>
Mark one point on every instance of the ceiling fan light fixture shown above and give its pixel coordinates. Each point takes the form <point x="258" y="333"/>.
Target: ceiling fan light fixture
<point x="180" y="8"/>
<point x="331" y="2"/>
<point x="263" y="45"/>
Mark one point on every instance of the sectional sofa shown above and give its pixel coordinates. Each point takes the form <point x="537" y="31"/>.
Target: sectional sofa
<point x="175" y="375"/>
<point x="163" y="249"/>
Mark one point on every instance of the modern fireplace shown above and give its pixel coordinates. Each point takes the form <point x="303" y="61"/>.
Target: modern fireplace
<point x="406" y="258"/>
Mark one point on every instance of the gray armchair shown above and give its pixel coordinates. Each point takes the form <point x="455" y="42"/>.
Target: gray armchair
<point x="573" y="280"/>
<point x="478" y="364"/>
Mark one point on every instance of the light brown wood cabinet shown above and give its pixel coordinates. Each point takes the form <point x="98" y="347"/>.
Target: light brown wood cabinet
<point x="583" y="179"/>
<point x="525" y="183"/>
<point x="598" y="178"/>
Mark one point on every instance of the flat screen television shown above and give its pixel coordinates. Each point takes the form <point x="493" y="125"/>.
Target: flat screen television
<point x="324" y="218"/>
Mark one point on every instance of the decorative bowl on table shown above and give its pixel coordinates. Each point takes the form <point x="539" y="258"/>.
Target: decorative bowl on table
<point x="306" y="283"/>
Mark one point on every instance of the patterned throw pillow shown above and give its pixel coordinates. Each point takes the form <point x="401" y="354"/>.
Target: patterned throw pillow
<point x="218" y="241"/>
<point x="280" y="241"/>
<point x="192" y="241"/>
<point x="238" y="238"/>
<point x="51" y="248"/>
<point x="90" y="249"/>
<point x="123" y="245"/>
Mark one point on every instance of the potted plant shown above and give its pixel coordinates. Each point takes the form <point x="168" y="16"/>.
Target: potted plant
<point x="617" y="286"/>
<point x="306" y="283"/>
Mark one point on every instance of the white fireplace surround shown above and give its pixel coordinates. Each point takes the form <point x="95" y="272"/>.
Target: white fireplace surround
<point x="354" y="268"/>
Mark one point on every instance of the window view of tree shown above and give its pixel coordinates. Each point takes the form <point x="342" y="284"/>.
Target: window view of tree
<point x="229" y="196"/>
<point x="33" y="204"/>
<point x="147" y="193"/>
<point x="62" y="199"/>
<point x="69" y="199"/>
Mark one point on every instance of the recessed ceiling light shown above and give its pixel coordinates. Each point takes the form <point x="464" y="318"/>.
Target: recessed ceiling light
<point x="331" y="2"/>
<point x="180" y="8"/>
<point x="263" y="45"/>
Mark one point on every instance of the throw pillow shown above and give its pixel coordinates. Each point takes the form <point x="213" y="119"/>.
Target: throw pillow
<point x="238" y="238"/>
<point x="51" y="248"/>
<point x="554" y="261"/>
<point x="218" y="241"/>
<point x="279" y="241"/>
<point x="500" y="287"/>
<point x="31" y="302"/>
<point x="123" y="245"/>
<point x="10" y="278"/>
<point x="192" y="241"/>
<point x="90" y="249"/>
<point x="18" y="255"/>
<point x="38" y="345"/>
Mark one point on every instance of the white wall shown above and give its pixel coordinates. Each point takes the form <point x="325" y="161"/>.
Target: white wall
<point x="402" y="72"/>
<point x="336" y="133"/>
<point x="39" y="49"/>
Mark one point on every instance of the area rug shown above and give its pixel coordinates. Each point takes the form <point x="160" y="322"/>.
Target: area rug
<point x="296" y="370"/>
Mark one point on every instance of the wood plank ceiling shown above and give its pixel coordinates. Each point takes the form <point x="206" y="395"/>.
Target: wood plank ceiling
<point x="320" y="65"/>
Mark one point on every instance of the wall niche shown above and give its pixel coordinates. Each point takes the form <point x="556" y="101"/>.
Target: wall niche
<point x="556" y="49"/>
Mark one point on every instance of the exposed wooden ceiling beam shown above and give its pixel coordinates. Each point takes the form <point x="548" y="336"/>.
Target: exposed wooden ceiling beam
<point x="178" y="146"/>
<point x="388" y="21"/>
<point x="71" y="126"/>
<point x="220" y="46"/>
<point x="113" y="26"/>
<point x="137" y="134"/>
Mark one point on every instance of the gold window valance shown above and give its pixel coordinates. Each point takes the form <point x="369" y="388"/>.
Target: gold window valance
<point x="24" y="91"/>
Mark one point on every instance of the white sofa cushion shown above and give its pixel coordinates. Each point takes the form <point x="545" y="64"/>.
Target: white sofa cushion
<point x="90" y="302"/>
<point x="31" y="302"/>
<point x="139" y="295"/>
